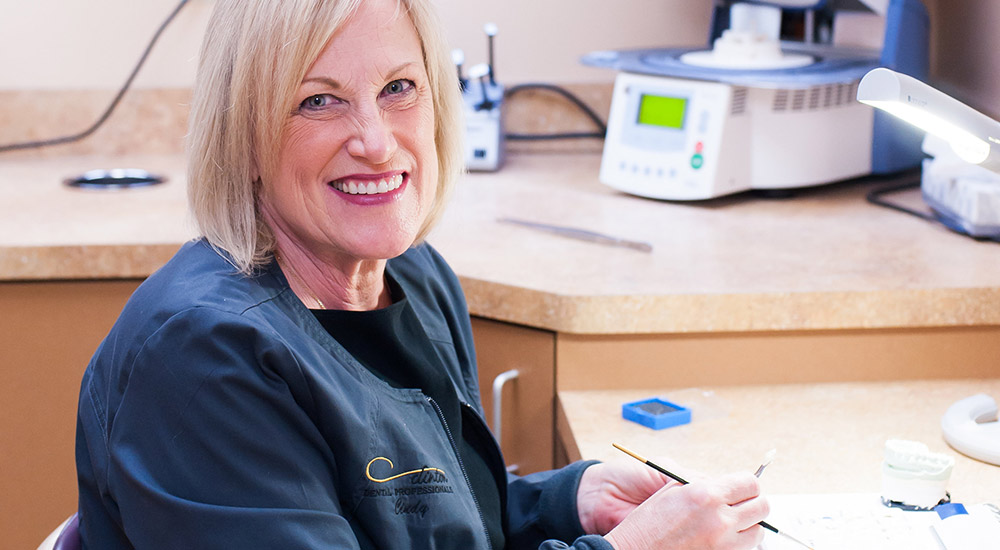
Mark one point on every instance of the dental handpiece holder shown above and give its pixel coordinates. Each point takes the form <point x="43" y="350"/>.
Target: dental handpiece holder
<point x="484" y="136"/>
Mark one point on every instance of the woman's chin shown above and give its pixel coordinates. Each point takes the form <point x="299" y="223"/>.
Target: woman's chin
<point x="383" y="250"/>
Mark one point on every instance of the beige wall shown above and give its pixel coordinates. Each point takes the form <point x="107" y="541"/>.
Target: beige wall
<point x="965" y="50"/>
<point x="87" y="44"/>
<point x="81" y="44"/>
<point x="59" y="44"/>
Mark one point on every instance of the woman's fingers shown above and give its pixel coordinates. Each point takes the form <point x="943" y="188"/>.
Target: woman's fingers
<point x="750" y="512"/>
<point x="737" y="488"/>
<point x="721" y="513"/>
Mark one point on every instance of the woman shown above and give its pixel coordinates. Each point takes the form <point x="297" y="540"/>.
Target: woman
<point x="281" y="383"/>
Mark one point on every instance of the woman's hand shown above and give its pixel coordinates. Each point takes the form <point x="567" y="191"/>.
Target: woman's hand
<point x="636" y="507"/>
<point x="610" y="491"/>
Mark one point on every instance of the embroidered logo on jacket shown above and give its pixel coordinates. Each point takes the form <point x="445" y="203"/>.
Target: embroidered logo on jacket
<point x="410" y="486"/>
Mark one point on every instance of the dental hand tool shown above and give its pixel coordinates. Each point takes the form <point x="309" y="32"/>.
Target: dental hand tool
<point x="581" y="234"/>
<point x="768" y="458"/>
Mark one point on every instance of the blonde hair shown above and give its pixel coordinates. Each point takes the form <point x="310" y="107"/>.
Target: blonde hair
<point x="253" y="59"/>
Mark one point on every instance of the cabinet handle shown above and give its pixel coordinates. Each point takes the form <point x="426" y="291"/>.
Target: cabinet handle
<point x="498" y="384"/>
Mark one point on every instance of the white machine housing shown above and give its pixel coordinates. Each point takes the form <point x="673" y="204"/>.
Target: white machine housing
<point x="683" y="139"/>
<point x="484" y="127"/>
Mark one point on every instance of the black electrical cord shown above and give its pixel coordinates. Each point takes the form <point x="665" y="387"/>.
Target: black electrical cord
<point x="114" y="103"/>
<point x="602" y="128"/>
<point x="876" y="197"/>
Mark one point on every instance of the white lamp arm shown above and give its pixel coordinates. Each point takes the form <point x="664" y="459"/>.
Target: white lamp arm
<point x="974" y="136"/>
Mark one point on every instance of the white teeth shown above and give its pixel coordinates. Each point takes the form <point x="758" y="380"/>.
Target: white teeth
<point x="369" y="188"/>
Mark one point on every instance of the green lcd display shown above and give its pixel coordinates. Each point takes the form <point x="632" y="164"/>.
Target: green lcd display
<point x="666" y="112"/>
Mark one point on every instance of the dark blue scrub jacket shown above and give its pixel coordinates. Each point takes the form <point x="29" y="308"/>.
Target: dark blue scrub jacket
<point x="218" y="413"/>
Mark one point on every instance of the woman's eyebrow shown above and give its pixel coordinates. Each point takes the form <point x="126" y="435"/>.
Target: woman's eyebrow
<point x="325" y="80"/>
<point x="322" y="80"/>
<point x="401" y="67"/>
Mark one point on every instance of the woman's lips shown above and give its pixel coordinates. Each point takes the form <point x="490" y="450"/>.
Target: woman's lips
<point x="367" y="190"/>
<point x="379" y="186"/>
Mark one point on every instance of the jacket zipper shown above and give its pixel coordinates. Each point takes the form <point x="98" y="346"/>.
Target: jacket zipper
<point x="458" y="456"/>
<point x="495" y="453"/>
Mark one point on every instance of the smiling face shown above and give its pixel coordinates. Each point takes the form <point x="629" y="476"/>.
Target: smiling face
<point x="357" y="172"/>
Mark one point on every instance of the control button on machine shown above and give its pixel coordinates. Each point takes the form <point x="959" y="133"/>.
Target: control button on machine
<point x="697" y="161"/>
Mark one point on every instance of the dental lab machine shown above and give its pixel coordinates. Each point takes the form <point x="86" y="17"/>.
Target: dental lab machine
<point x="757" y="111"/>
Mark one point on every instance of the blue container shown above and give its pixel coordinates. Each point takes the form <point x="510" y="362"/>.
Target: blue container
<point x="656" y="413"/>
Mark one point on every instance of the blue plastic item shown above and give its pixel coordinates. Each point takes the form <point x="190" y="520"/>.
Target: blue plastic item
<point x="949" y="509"/>
<point x="656" y="413"/>
<point x="896" y="144"/>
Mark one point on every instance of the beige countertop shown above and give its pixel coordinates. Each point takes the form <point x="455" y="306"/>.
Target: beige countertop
<point x="829" y="437"/>
<point x="51" y="231"/>
<point x="824" y="259"/>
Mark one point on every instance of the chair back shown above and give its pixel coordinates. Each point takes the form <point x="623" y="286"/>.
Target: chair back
<point x="65" y="537"/>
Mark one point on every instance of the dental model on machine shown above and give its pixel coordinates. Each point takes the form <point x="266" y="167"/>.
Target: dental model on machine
<point x="758" y="111"/>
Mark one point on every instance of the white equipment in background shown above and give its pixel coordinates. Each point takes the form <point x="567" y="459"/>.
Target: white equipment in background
<point x="484" y="135"/>
<point x="970" y="426"/>
<point x="755" y="112"/>
<point x="483" y="100"/>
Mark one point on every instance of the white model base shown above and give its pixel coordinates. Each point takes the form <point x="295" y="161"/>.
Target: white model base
<point x="913" y="475"/>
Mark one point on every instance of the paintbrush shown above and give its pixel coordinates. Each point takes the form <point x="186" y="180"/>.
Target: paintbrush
<point x="683" y="481"/>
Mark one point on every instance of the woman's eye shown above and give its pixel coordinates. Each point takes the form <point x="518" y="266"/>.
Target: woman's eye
<point x="317" y="101"/>
<point x="397" y="87"/>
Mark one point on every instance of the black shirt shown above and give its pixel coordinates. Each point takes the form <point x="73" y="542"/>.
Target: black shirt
<point x="392" y="344"/>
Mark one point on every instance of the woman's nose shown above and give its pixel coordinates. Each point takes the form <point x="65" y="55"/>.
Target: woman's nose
<point x="373" y="139"/>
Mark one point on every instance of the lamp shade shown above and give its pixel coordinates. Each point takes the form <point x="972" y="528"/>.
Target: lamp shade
<point x="973" y="136"/>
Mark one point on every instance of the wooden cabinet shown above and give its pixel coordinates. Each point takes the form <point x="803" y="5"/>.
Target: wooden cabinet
<point x="631" y="361"/>
<point x="528" y="404"/>
<point x="48" y="331"/>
